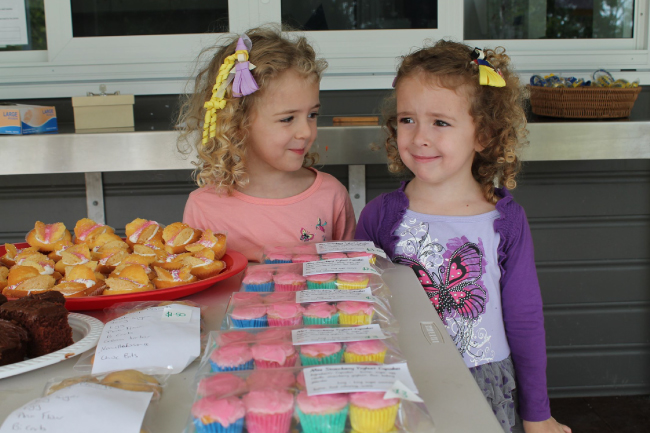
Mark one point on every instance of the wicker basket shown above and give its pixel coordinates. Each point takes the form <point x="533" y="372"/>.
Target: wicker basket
<point x="583" y="102"/>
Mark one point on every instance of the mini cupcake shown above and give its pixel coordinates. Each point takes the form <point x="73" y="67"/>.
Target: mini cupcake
<point x="355" y="313"/>
<point x="246" y="298"/>
<point x="221" y="385"/>
<point x="322" y="413"/>
<point x="230" y="337"/>
<point x="352" y="281"/>
<point x="273" y="379"/>
<point x="232" y="357"/>
<point x="320" y="313"/>
<point x="249" y="316"/>
<point x="304" y="258"/>
<point x="218" y="415"/>
<point x="321" y="353"/>
<point x="371" y="413"/>
<point x="274" y="354"/>
<point x="258" y="281"/>
<point x="289" y="282"/>
<point x="268" y="411"/>
<point x="274" y="334"/>
<point x="277" y="258"/>
<point x="371" y="256"/>
<point x="284" y="314"/>
<point x="365" y="351"/>
<point x="321" y="281"/>
<point x="330" y="256"/>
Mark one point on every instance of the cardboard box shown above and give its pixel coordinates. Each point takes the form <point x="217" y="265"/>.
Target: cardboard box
<point x="27" y="119"/>
<point x="103" y="111"/>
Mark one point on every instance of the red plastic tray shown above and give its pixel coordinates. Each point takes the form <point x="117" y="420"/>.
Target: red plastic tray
<point x="235" y="263"/>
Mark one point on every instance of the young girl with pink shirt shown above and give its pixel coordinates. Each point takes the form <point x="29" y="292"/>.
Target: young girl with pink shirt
<point x="455" y="124"/>
<point x="256" y="105"/>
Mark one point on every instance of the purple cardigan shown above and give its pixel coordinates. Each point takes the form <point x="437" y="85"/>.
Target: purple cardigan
<point x="520" y="294"/>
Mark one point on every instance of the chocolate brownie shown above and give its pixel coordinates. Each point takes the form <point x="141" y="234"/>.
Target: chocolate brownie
<point x="3" y="299"/>
<point x="13" y="343"/>
<point x="46" y="323"/>
<point x="50" y="296"/>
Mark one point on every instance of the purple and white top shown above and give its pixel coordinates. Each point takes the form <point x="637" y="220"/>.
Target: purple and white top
<point x="455" y="259"/>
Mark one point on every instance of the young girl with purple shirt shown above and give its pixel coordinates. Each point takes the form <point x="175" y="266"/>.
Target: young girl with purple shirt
<point x="455" y="124"/>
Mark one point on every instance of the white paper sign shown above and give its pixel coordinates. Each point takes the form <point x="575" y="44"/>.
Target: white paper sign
<point x="13" y="23"/>
<point x="334" y="295"/>
<point x="81" y="408"/>
<point x="329" y="379"/>
<point x="175" y="313"/>
<point x="148" y="340"/>
<point x="336" y="335"/>
<point x="339" y="266"/>
<point x="399" y="390"/>
<point x="349" y="246"/>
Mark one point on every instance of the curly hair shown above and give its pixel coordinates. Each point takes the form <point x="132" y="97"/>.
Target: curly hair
<point x="498" y="112"/>
<point x="222" y="160"/>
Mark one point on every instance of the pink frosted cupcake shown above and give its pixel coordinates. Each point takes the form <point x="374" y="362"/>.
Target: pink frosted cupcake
<point x="365" y="351"/>
<point x="289" y="282"/>
<point x="277" y="258"/>
<point x="274" y="334"/>
<point x="352" y="281"/>
<point x="370" y="412"/>
<point x="274" y="354"/>
<point x="230" y="337"/>
<point x="221" y="385"/>
<point x="321" y="353"/>
<point x="218" y="415"/>
<point x="320" y="313"/>
<point x="330" y="256"/>
<point x="249" y="316"/>
<point x="232" y="357"/>
<point x="268" y="411"/>
<point x="371" y="256"/>
<point x="274" y="297"/>
<point x="355" y="313"/>
<point x="246" y="298"/>
<point x="304" y="258"/>
<point x="322" y="413"/>
<point x="321" y="281"/>
<point x="284" y="314"/>
<point x="275" y="379"/>
<point x="258" y="281"/>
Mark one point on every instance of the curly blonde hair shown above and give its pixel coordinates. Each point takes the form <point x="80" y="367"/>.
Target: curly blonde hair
<point x="222" y="160"/>
<point x="498" y="112"/>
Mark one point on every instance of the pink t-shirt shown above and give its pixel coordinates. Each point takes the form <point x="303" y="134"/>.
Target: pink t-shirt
<point x="321" y="213"/>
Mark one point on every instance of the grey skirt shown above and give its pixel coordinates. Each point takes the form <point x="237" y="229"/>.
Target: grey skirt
<point x="497" y="382"/>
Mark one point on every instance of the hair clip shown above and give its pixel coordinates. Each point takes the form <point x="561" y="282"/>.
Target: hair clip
<point x="394" y="81"/>
<point x="243" y="83"/>
<point x="488" y="74"/>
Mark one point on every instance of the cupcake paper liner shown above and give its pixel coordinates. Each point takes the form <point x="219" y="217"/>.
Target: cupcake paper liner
<point x="331" y="359"/>
<point x="265" y="287"/>
<point x="349" y="285"/>
<point x="268" y="423"/>
<point x="245" y="366"/>
<point x="285" y="322"/>
<point x="353" y="358"/>
<point x="290" y="362"/>
<point x="289" y="287"/>
<point x="329" y="285"/>
<point x="355" y="319"/>
<point x="216" y="427"/>
<point x="323" y="423"/>
<point x="373" y="420"/>
<point x="275" y="262"/>
<point x="334" y="320"/>
<point x="260" y="322"/>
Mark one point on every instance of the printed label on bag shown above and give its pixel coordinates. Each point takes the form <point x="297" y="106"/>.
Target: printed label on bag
<point x="330" y="379"/>
<point x="334" y="295"/>
<point x="356" y="265"/>
<point x="349" y="247"/>
<point x="399" y="390"/>
<point x="336" y="335"/>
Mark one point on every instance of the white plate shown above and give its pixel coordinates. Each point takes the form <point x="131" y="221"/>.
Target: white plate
<point x="85" y="333"/>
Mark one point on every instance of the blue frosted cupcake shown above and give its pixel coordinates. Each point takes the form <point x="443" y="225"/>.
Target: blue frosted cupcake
<point x="249" y="316"/>
<point x="258" y="281"/>
<point x="322" y="413"/>
<point x="232" y="357"/>
<point x="218" y="415"/>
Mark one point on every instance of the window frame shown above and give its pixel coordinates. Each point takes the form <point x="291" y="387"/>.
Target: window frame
<point x="163" y="64"/>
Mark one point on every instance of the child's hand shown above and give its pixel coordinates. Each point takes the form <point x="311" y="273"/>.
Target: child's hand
<point x="548" y="426"/>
